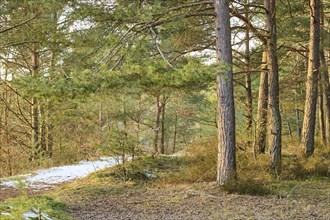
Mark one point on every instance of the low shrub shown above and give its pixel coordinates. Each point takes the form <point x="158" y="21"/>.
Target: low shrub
<point x="247" y="186"/>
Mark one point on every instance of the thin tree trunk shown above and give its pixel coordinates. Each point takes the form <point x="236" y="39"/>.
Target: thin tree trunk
<point x="321" y="114"/>
<point x="308" y="130"/>
<point x="42" y="130"/>
<point x="49" y="139"/>
<point x="34" y="112"/>
<point x="226" y="111"/>
<point x="326" y="95"/>
<point x="156" y="129"/>
<point x="261" y="126"/>
<point x="48" y="122"/>
<point x="274" y="116"/>
<point x="325" y="81"/>
<point x="162" y="139"/>
<point x="289" y="129"/>
<point x="101" y="124"/>
<point x="175" y="132"/>
<point x="298" y="123"/>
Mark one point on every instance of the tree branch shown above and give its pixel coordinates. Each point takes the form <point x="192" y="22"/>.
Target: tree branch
<point x="19" y="24"/>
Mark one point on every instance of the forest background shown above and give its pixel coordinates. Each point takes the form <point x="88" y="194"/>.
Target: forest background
<point x="81" y="79"/>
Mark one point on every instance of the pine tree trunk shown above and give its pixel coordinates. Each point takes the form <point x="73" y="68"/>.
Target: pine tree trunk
<point x="326" y="95"/>
<point x="274" y="116"/>
<point x="321" y="114"/>
<point x="308" y="130"/>
<point x="162" y="139"/>
<point x="261" y="126"/>
<point x="226" y="111"/>
<point x="248" y="87"/>
<point x="34" y="112"/>
<point x="157" y="125"/>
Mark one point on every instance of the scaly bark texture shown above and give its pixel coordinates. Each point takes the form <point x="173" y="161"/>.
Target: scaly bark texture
<point x="226" y="110"/>
<point x="308" y="130"/>
<point x="274" y="116"/>
<point x="261" y="128"/>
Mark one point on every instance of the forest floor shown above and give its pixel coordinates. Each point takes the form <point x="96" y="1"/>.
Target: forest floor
<point x="162" y="189"/>
<point x="161" y="194"/>
<point x="200" y="201"/>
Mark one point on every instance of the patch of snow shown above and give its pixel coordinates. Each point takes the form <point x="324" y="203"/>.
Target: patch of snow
<point x="5" y="213"/>
<point x="179" y="154"/>
<point x="33" y="215"/>
<point x="150" y="175"/>
<point x="48" y="178"/>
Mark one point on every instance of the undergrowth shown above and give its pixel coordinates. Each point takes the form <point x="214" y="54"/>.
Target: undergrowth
<point x="199" y="164"/>
<point x="142" y="169"/>
<point x="253" y="173"/>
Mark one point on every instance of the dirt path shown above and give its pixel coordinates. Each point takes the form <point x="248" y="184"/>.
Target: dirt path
<point x="9" y="192"/>
<point x="182" y="203"/>
<point x="6" y="192"/>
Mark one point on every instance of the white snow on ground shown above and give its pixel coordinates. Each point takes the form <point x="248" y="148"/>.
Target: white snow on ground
<point x="34" y="214"/>
<point x="51" y="177"/>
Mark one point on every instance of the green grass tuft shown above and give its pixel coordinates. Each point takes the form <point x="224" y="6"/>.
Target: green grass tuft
<point x="16" y="207"/>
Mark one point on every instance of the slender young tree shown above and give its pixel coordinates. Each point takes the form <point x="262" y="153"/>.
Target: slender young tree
<point x="324" y="73"/>
<point x="326" y="95"/>
<point x="261" y="125"/>
<point x="274" y="116"/>
<point x="226" y="110"/>
<point x="35" y="132"/>
<point x="308" y="130"/>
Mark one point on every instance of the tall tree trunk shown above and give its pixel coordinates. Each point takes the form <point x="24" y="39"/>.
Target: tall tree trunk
<point x="308" y="130"/>
<point x="156" y="129"/>
<point x="226" y="111"/>
<point x="34" y="112"/>
<point x="274" y="116"/>
<point x="248" y="87"/>
<point x="326" y="95"/>
<point x="48" y="122"/>
<point x="261" y="126"/>
<point x="325" y="80"/>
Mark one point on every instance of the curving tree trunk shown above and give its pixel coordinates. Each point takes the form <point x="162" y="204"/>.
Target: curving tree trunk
<point x="308" y="130"/>
<point x="226" y="112"/>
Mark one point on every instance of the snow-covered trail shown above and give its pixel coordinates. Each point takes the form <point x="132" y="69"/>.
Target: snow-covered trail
<point x="48" y="178"/>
